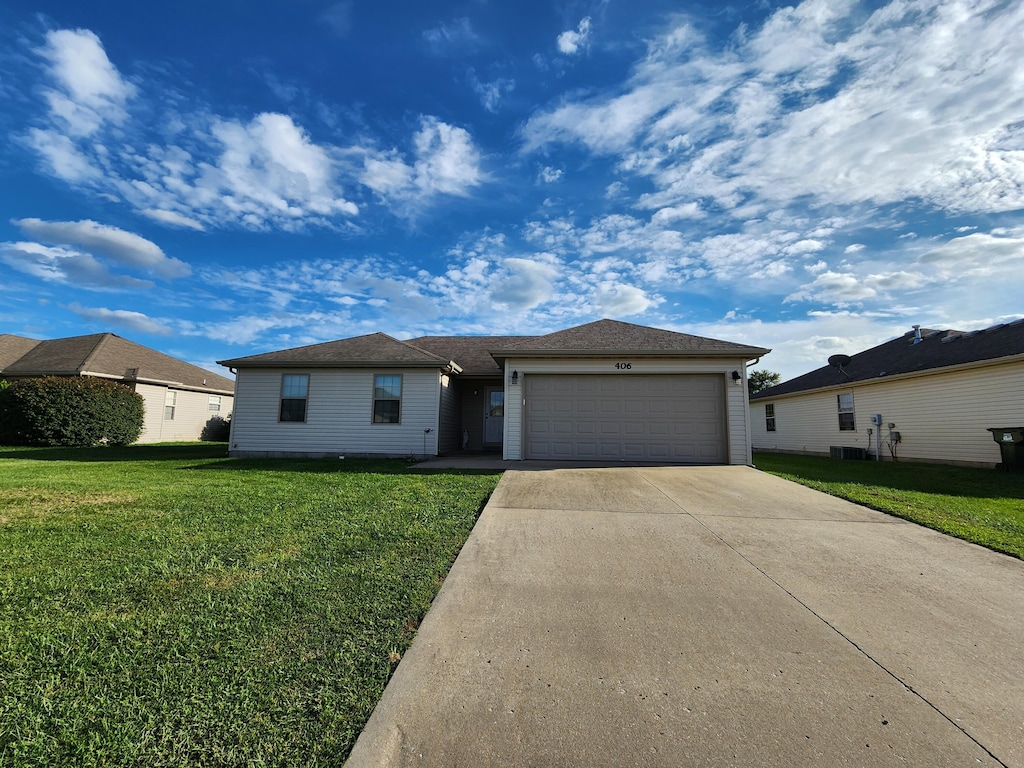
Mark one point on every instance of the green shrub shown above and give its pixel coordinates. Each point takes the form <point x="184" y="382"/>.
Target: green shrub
<point x="216" y="430"/>
<point x="73" y="411"/>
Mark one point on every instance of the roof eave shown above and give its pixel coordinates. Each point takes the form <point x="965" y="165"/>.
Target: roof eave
<point x="744" y="352"/>
<point x="988" y="363"/>
<point x="340" y="364"/>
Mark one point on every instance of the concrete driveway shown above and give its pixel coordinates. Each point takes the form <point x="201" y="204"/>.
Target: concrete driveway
<point x="718" y="616"/>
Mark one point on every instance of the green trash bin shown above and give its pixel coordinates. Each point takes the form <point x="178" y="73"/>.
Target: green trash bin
<point x="1011" y="447"/>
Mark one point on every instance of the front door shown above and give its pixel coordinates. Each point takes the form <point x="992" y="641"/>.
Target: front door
<point x="494" y="415"/>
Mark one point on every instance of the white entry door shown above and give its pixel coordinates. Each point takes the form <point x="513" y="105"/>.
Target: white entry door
<point x="494" y="415"/>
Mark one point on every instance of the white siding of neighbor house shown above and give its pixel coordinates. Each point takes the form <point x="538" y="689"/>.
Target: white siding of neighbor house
<point x="191" y="412"/>
<point x="738" y="447"/>
<point x="941" y="417"/>
<point x="339" y="414"/>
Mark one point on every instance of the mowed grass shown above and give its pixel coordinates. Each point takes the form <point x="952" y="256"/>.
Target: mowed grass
<point x="167" y="606"/>
<point x="980" y="505"/>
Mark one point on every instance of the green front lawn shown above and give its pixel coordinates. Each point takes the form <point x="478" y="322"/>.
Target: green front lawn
<point x="979" y="505"/>
<point x="164" y="605"/>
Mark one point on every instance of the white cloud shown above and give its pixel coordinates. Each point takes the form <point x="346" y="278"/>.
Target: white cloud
<point x="677" y="213"/>
<point x="269" y="169"/>
<point x="492" y="93"/>
<point x="526" y="283"/>
<point x="619" y="300"/>
<point x="202" y="171"/>
<point x="66" y="265"/>
<point x="173" y="219"/>
<point x="911" y="102"/>
<point x="124" y="248"/>
<point x="446" y="163"/>
<point x="64" y="159"/>
<point x="572" y="40"/>
<point x="549" y="175"/>
<point x="89" y="90"/>
<point x="123" y="318"/>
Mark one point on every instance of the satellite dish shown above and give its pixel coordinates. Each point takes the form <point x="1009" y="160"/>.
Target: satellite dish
<point x="839" y="362"/>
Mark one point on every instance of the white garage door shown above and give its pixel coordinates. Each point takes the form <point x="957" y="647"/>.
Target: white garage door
<point x="679" y="418"/>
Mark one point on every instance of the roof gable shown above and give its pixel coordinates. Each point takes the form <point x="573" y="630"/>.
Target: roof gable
<point x="371" y="349"/>
<point x="936" y="349"/>
<point x="608" y="336"/>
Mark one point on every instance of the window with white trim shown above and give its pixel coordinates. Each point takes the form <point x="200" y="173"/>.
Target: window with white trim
<point x="294" y="394"/>
<point x="847" y="423"/>
<point x="170" y="400"/>
<point x="769" y="417"/>
<point x="214" y="403"/>
<point x="387" y="398"/>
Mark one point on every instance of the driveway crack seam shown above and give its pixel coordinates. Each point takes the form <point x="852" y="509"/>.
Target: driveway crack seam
<point x="849" y="640"/>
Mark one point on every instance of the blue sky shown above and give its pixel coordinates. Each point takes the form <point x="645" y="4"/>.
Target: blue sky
<point x="230" y="177"/>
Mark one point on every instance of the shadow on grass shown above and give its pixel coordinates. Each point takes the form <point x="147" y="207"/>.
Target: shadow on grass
<point x="213" y="456"/>
<point x="904" y="476"/>
<point x="158" y="452"/>
<point x="328" y="466"/>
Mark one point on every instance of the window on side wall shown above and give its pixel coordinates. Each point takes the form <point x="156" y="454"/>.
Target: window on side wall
<point x="387" y="399"/>
<point x="846" y="421"/>
<point x="170" y="400"/>
<point x="214" y="403"/>
<point x="769" y="417"/>
<point x="294" y="394"/>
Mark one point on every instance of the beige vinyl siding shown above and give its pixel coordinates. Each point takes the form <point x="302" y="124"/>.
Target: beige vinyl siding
<point x="449" y="433"/>
<point x="941" y="417"/>
<point x="737" y="444"/>
<point x="191" y="413"/>
<point x="339" y="414"/>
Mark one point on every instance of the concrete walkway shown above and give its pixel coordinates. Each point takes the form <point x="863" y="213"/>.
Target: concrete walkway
<point x="706" y="616"/>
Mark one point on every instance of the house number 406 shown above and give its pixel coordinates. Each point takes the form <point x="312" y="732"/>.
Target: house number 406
<point x="623" y="366"/>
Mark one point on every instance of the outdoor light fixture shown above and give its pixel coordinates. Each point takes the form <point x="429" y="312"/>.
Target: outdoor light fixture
<point x="515" y="377"/>
<point x="736" y="376"/>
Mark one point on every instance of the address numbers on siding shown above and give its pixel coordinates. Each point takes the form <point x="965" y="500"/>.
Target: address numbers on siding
<point x="623" y="366"/>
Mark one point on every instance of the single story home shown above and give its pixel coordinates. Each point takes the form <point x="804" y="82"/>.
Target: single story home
<point x="606" y="390"/>
<point x="929" y="395"/>
<point x="181" y="399"/>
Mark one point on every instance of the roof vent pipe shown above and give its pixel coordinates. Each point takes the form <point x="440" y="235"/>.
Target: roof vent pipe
<point x="917" y="334"/>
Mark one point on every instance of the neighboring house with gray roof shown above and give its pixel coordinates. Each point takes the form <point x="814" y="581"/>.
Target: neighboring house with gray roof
<point x="180" y="398"/>
<point x="606" y="390"/>
<point x="941" y="390"/>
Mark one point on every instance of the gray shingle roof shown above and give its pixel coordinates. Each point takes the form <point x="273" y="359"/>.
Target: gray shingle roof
<point x="937" y="349"/>
<point x="371" y="349"/>
<point x="13" y="347"/>
<point x="470" y="352"/>
<point x="476" y="355"/>
<point x="610" y="336"/>
<point x="111" y="355"/>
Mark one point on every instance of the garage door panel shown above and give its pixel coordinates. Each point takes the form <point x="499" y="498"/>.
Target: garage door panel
<point x="637" y="417"/>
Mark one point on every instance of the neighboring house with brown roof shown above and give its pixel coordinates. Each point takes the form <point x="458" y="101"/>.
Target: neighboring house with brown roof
<point x="180" y="398"/>
<point x="935" y="393"/>
<point x="606" y="390"/>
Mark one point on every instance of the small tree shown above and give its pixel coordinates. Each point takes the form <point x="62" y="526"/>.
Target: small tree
<point x="72" y="411"/>
<point x="761" y="380"/>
